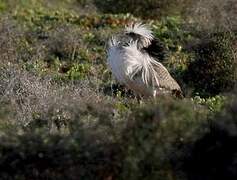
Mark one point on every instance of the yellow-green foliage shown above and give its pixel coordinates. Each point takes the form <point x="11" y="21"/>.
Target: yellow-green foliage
<point x="214" y="104"/>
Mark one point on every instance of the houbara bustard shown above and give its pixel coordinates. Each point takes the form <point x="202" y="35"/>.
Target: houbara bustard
<point x="133" y="57"/>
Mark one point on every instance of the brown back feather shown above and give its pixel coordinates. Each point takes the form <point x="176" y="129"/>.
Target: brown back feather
<point x="164" y="78"/>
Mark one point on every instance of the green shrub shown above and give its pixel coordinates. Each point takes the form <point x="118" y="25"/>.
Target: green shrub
<point x="178" y="141"/>
<point x="38" y="155"/>
<point x="168" y="139"/>
<point x="213" y="70"/>
<point x="214" y="155"/>
<point x="78" y="71"/>
<point x="145" y="9"/>
<point x="171" y="31"/>
<point x="214" y="104"/>
<point x="101" y="143"/>
<point x="154" y="137"/>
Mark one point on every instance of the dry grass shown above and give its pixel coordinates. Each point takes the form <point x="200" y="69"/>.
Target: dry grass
<point x="212" y="14"/>
<point x="40" y="98"/>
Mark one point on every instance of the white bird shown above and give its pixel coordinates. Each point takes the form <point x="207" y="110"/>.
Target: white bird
<point x="133" y="57"/>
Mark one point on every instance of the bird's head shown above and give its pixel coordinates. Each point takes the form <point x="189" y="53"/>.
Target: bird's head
<point x="139" y="32"/>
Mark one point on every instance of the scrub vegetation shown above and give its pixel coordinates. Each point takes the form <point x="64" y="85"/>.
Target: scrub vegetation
<point x="63" y="116"/>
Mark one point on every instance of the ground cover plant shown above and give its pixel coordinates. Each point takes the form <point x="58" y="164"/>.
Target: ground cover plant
<point x="63" y="116"/>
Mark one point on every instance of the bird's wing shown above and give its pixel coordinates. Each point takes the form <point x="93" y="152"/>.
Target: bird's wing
<point x="164" y="78"/>
<point x="156" y="49"/>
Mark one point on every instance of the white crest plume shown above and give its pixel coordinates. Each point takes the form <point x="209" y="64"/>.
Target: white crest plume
<point x="141" y="29"/>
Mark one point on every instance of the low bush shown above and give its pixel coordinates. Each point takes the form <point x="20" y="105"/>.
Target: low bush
<point x="154" y="137"/>
<point x="145" y="9"/>
<point x="101" y="144"/>
<point x="38" y="155"/>
<point x="79" y="134"/>
<point x="213" y="70"/>
<point x="213" y="156"/>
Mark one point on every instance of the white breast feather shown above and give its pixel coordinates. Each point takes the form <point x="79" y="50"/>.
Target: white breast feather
<point x="126" y="61"/>
<point x="115" y="60"/>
